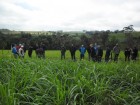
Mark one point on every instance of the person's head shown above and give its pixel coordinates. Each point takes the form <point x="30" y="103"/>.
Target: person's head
<point x="91" y="45"/>
<point x="107" y="46"/>
<point x="82" y="45"/>
<point x="22" y="46"/>
<point x="116" y="44"/>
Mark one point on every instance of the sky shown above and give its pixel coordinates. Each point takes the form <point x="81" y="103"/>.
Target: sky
<point x="69" y="15"/>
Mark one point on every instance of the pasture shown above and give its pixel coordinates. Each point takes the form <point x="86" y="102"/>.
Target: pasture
<point x="51" y="81"/>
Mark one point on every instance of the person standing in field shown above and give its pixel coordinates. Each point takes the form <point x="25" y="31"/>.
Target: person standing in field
<point x="72" y="52"/>
<point x="18" y="47"/>
<point x="127" y="53"/>
<point x="107" y="54"/>
<point x="42" y="46"/>
<point x="89" y="48"/>
<point x="14" y="51"/>
<point x="82" y="52"/>
<point x="134" y="53"/>
<point x="30" y="50"/>
<point x="63" y="51"/>
<point x="21" y="51"/>
<point x="93" y="53"/>
<point x="99" y="54"/>
<point x="116" y="51"/>
<point x="96" y="51"/>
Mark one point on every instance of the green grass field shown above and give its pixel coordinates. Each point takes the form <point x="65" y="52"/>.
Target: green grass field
<point x="51" y="81"/>
<point x="55" y="54"/>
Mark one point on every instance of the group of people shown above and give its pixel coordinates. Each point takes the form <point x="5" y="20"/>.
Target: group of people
<point x="18" y="50"/>
<point x="95" y="52"/>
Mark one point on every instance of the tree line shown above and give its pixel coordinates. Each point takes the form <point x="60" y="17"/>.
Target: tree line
<point x="57" y="39"/>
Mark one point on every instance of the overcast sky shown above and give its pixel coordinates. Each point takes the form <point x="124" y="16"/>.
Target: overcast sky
<point x="69" y="15"/>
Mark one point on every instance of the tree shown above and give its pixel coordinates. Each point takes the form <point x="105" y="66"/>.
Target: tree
<point x="104" y="38"/>
<point x="128" y="29"/>
<point x="128" y="34"/>
<point x="113" y="40"/>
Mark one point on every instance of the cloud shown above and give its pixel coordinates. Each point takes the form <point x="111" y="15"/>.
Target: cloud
<point x="69" y="14"/>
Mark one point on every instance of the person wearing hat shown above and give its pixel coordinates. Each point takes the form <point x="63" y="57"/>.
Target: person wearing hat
<point x="21" y="51"/>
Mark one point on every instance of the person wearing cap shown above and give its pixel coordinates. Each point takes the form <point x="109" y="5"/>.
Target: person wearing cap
<point x="21" y="51"/>
<point x="82" y="52"/>
<point x="116" y="51"/>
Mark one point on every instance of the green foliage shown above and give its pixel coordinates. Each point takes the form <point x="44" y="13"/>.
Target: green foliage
<point x="63" y="82"/>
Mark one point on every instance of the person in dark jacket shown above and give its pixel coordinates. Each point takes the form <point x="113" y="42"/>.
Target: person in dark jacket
<point x="72" y="52"/>
<point x="93" y="53"/>
<point x="107" y="54"/>
<point x="89" y="48"/>
<point x="30" y="50"/>
<point x="99" y="53"/>
<point x="127" y="53"/>
<point x="134" y="53"/>
<point x="63" y="50"/>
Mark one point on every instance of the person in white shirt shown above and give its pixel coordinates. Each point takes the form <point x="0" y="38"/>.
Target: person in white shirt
<point x="21" y="52"/>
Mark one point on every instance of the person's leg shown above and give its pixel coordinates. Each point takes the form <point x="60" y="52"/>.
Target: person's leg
<point x="117" y="55"/>
<point x="64" y="55"/>
<point x="74" y="58"/>
<point x="83" y="56"/>
<point x="80" y="56"/>
<point x="71" y="56"/>
<point x="125" y="57"/>
<point x="89" y="56"/>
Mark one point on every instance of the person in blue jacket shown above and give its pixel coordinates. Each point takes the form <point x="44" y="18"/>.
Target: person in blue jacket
<point x="14" y="51"/>
<point x="82" y="52"/>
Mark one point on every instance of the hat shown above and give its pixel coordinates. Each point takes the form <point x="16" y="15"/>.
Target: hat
<point x="22" y="46"/>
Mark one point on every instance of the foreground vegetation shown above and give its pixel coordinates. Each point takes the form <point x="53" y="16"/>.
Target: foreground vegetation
<point x="64" y="82"/>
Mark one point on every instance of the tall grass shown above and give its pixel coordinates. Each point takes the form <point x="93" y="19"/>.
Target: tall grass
<point x="64" y="82"/>
<point x="55" y="82"/>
